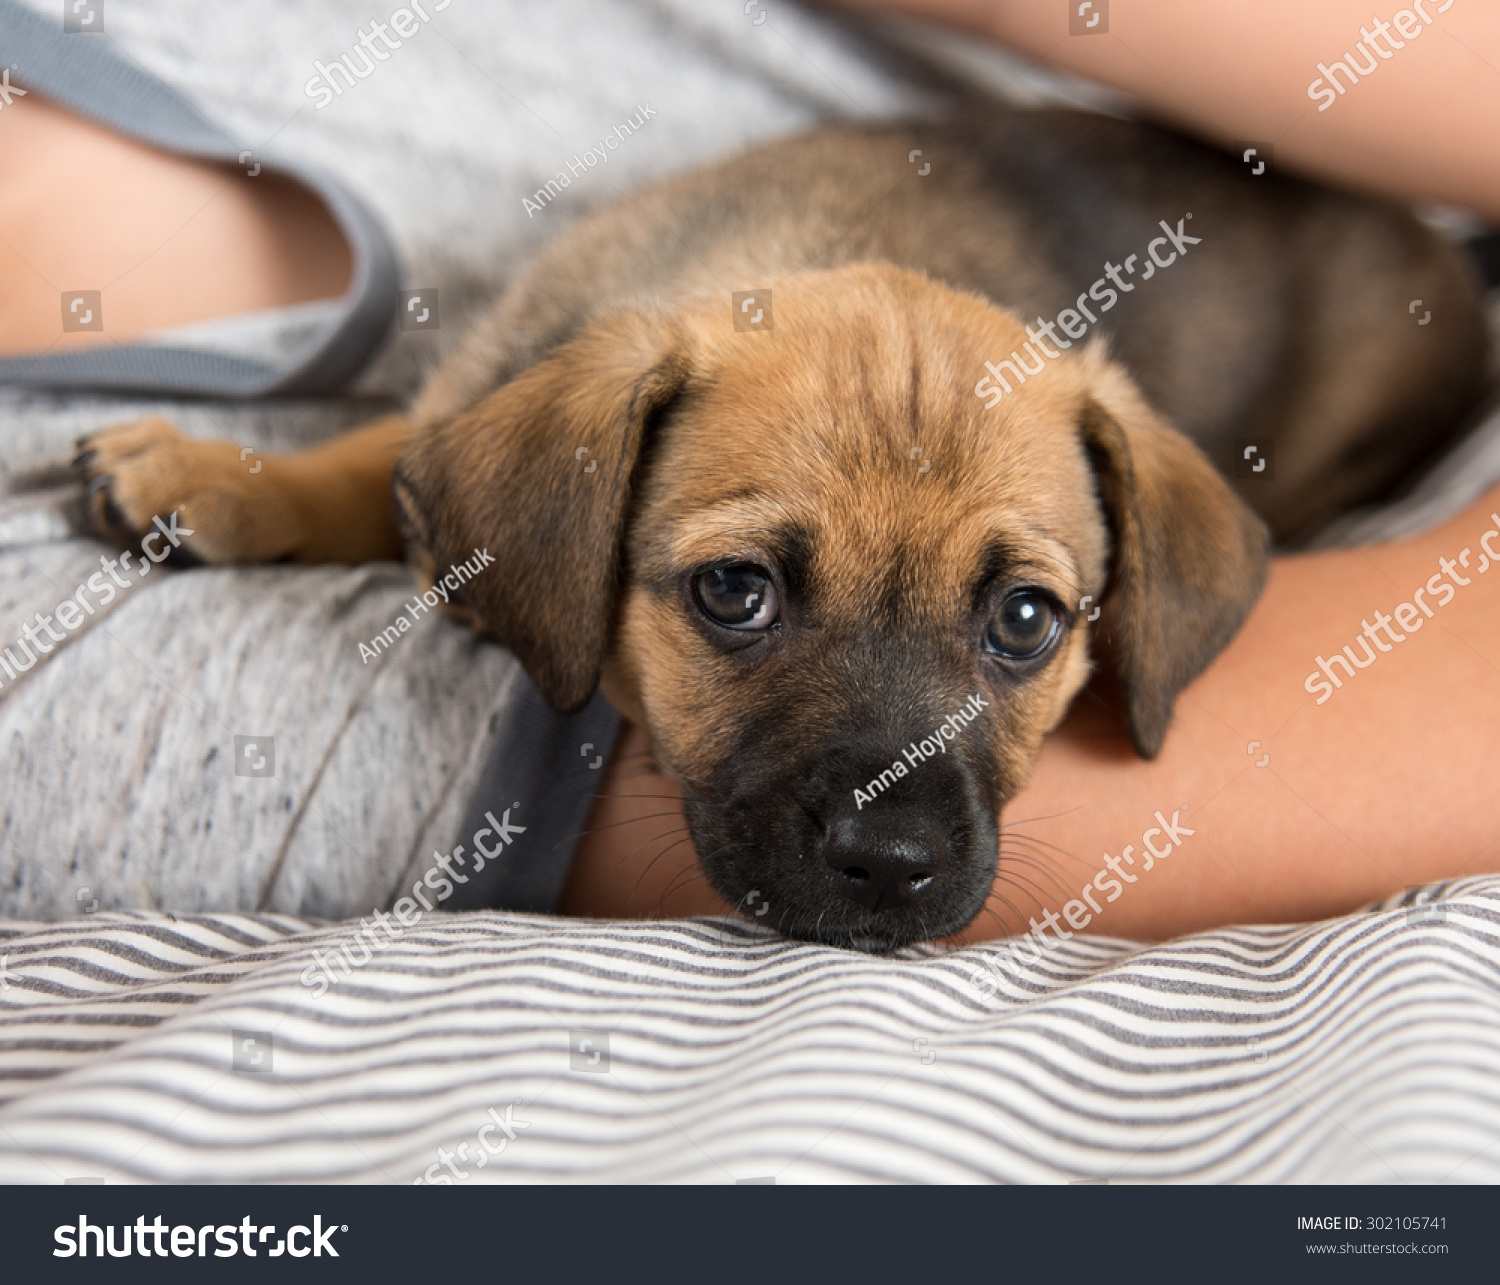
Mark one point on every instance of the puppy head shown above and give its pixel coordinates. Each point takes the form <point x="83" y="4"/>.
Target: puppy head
<point x="841" y="593"/>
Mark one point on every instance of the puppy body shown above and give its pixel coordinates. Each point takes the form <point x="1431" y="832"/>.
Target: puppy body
<point x="613" y="431"/>
<point x="1288" y="323"/>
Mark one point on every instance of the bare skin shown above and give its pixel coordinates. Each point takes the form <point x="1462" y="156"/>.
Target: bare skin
<point x="1390" y="782"/>
<point x="167" y="240"/>
<point x="1419" y="127"/>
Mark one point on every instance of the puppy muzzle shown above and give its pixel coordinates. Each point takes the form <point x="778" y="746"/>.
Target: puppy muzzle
<point x="808" y="856"/>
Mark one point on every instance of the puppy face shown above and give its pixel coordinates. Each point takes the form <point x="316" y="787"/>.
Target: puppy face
<point x="841" y="594"/>
<point x="805" y="604"/>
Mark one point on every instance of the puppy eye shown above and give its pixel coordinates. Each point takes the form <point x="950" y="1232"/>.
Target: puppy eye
<point x="1024" y="626"/>
<point x="740" y="596"/>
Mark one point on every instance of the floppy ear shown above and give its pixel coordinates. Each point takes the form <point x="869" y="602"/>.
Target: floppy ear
<point x="1189" y="561"/>
<point x="539" y="474"/>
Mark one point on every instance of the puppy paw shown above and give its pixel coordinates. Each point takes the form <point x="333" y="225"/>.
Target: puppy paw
<point x="227" y="509"/>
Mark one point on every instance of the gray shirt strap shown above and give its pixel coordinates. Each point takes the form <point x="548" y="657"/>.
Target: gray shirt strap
<point x="87" y="75"/>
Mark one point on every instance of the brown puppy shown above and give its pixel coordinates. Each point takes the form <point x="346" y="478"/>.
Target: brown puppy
<point x="842" y="582"/>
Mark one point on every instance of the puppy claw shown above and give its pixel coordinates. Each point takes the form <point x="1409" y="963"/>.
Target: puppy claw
<point x="148" y="469"/>
<point x="111" y="519"/>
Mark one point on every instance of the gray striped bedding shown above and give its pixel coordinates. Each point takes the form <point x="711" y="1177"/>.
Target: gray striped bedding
<point x="503" y="1048"/>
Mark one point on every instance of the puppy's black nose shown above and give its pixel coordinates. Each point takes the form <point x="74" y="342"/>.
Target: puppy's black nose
<point x="881" y="865"/>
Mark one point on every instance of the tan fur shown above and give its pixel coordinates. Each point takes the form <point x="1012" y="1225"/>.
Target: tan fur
<point x="327" y="504"/>
<point x="818" y="416"/>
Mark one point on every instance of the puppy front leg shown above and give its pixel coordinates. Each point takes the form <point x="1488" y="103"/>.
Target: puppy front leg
<point x="331" y="503"/>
